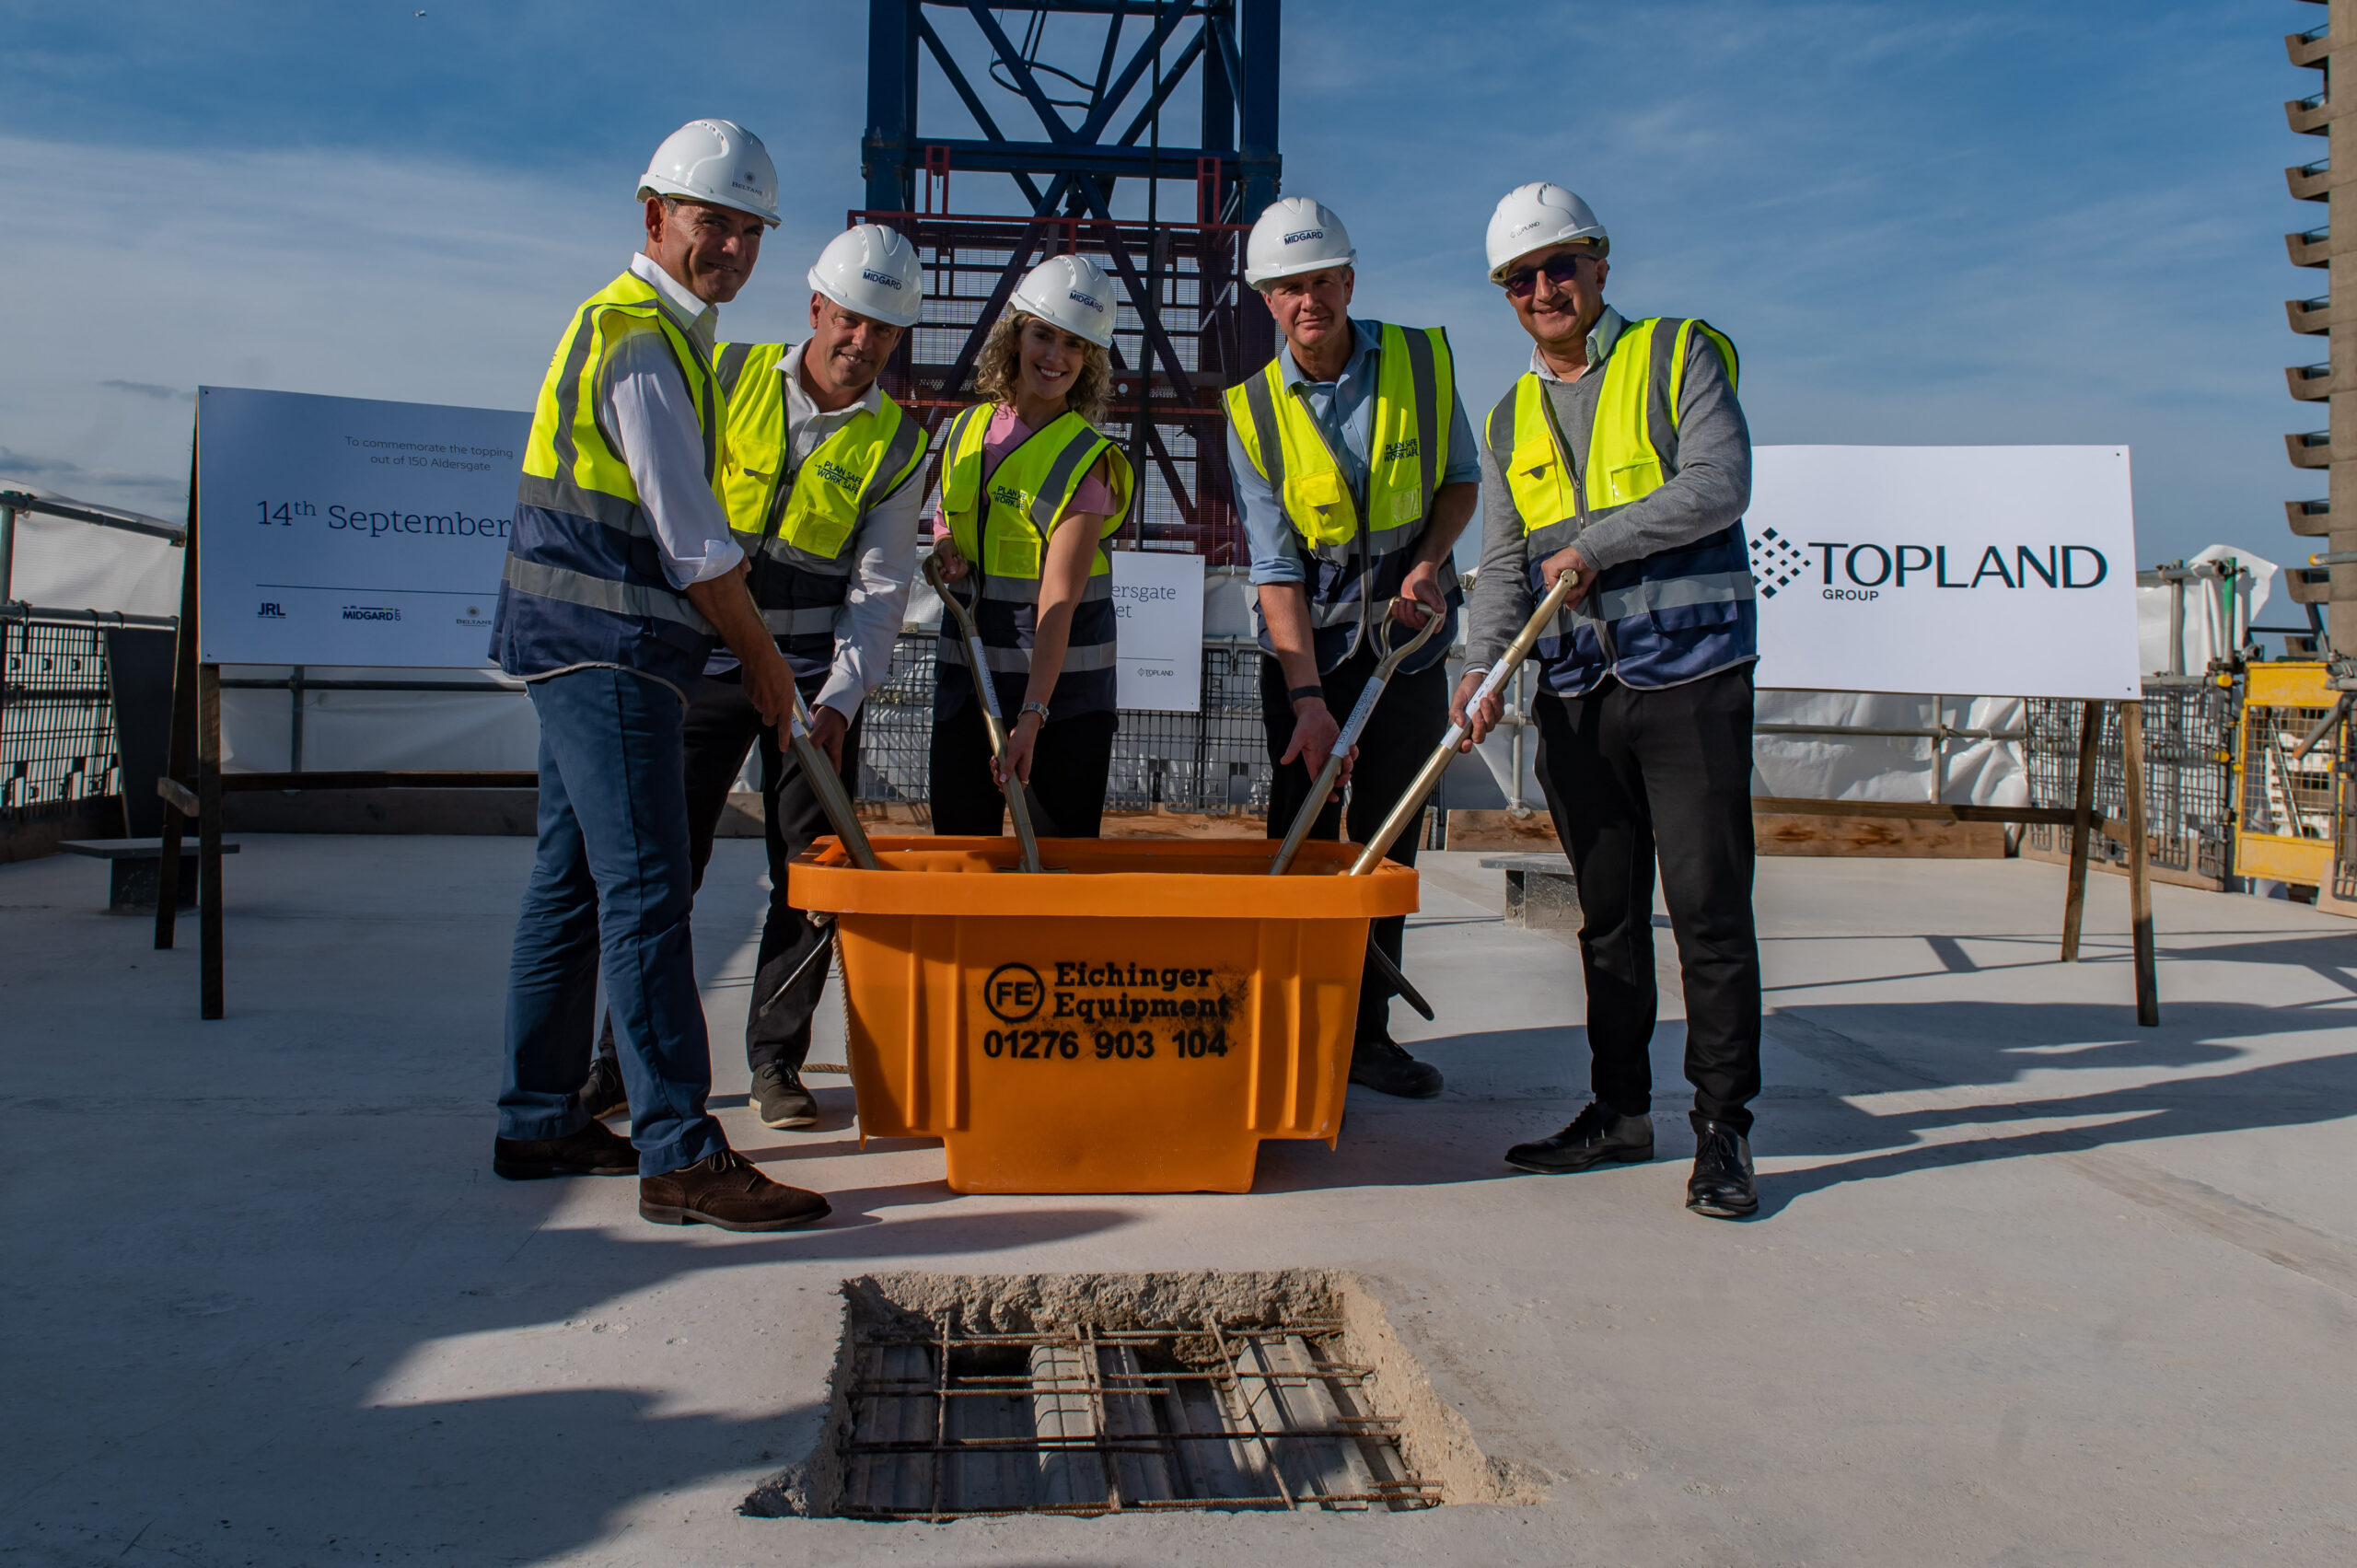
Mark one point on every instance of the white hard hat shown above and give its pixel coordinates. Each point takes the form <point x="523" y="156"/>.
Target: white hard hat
<point x="714" y="161"/>
<point x="1533" y="216"/>
<point x="872" y="270"/>
<point x="1293" y="235"/>
<point x="1071" y="292"/>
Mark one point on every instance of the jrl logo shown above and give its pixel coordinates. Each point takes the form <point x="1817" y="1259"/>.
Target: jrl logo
<point x="270" y="611"/>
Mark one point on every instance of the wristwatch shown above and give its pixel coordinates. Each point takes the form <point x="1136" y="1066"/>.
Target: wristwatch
<point x="1038" y="708"/>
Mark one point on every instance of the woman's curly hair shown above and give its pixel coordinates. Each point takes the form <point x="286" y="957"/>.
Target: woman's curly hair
<point x="1001" y="363"/>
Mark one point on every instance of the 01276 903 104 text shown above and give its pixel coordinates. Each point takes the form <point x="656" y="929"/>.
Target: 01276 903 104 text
<point x="1124" y="1012"/>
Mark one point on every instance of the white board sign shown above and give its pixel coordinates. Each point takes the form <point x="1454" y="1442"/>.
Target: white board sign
<point x="341" y="530"/>
<point x="1158" y="600"/>
<point x="2006" y="570"/>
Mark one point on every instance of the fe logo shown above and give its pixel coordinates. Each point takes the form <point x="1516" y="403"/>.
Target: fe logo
<point x="1015" y="992"/>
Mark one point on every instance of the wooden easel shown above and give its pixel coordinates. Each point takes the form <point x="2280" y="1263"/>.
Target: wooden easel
<point x="2081" y="818"/>
<point x="193" y="784"/>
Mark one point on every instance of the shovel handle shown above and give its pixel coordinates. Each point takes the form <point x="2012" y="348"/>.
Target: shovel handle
<point x="1352" y="727"/>
<point x="829" y="786"/>
<point x="1018" y="803"/>
<point x="1411" y="803"/>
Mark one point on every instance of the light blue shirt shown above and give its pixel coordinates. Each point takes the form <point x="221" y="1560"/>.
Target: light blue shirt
<point x="1344" y="410"/>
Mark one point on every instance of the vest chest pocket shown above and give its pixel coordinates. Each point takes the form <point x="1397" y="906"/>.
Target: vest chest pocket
<point x="821" y="517"/>
<point x="1631" y="481"/>
<point x="1320" y="504"/>
<point x="1541" y="493"/>
<point x="1013" y="553"/>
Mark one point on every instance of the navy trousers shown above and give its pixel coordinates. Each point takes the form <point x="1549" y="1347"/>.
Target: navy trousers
<point x="614" y="877"/>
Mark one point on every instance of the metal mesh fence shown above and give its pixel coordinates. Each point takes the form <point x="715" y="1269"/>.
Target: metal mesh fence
<point x="57" y="742"/>
<point x="1215" y="761"/>
<point x="2189" y="741"/>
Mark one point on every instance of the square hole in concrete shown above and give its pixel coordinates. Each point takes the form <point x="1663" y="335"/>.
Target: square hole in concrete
<point x="956" y="1396"/>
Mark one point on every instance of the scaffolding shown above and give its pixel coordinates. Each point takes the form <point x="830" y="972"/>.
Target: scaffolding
<point x="2189" y="777"/>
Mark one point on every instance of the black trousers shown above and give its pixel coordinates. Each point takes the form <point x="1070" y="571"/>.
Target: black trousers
<point x="722" y="726"/>
<point x="1637" y="778"/>
<point x="1069" y="769"/>
<point x="1408" y="722"/>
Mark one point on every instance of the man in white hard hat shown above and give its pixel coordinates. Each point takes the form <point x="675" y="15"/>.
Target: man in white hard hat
<point x="822" y="483"/>
<point x="1622" y="461"/>
<point x="619" y="576"/>
<point x="1355" y="471"/>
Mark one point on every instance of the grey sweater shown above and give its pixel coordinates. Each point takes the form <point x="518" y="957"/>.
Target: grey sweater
<point x="1708" y="488"/>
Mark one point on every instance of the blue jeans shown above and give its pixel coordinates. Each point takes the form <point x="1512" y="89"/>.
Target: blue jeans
<point x="613" y="877"/>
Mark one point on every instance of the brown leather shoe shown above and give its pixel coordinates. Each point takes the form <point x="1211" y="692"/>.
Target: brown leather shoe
<point x="596" y="1150"/>
<point x="728" y="1191"/>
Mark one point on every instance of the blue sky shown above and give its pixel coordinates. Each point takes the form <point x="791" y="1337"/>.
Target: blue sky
<point x="1921" y="223"/>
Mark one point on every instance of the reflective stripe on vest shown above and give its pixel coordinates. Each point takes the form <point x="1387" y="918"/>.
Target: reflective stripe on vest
<point x="1631" y="624"/>
<point x="584" y="582"/>
<point x="1407" y="435"/>
<point x="1004" y="538"/>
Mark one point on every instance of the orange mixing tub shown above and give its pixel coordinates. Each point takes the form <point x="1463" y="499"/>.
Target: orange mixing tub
<point x="1135" y="1020"/>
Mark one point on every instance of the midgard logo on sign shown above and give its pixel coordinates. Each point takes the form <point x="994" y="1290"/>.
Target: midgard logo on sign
<point x="370" y="533"/>
<point x="1998" y="571"/>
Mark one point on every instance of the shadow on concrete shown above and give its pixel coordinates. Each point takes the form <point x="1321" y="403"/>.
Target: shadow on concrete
<point x="1507" y="1086"/>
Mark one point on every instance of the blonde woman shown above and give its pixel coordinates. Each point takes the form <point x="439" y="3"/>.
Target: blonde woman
<point x="1030" y="491"/>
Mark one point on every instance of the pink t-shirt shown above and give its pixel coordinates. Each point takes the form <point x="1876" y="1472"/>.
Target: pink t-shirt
<point x="1007" y="433"/>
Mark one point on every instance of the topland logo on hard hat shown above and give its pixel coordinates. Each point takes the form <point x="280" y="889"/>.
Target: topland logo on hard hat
<point x="1298" y="235"/>
<point x="1521" y="229"/>
<point x="1089" y="299"/>
<point x="885" y="279"/>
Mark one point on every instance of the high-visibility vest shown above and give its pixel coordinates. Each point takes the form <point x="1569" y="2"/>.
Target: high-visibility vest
<point x="583" y="581"/>
<point x="798" y="524"/>
<point x="1004" y="536"/>
<point x="1358" y="547"/>
<point x="1669" y="617"/>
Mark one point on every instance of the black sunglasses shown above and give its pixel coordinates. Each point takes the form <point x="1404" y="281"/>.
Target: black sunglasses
<point x="1561" y="268"/>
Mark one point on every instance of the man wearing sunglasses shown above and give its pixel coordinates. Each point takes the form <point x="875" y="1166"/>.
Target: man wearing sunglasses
<point x="1355" y="471"/>
<point x="1622" y="461"/>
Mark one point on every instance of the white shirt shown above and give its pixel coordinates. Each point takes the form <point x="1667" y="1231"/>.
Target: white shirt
<point x="885" y="547"/>
<point x="650" y="418"/>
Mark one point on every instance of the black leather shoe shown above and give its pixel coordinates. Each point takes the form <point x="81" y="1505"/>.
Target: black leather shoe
<point x="596" y="1150"/>
<point x="1721" y="1185"/>
<point x="1381" y="1065"/>
<point x="779" y="1098"/>
<point x="602" y="1094"/>
<point x="1598" y="1135"/>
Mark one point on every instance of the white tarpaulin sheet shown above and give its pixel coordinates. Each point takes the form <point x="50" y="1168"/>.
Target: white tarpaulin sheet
<point x="1929" y="569"/>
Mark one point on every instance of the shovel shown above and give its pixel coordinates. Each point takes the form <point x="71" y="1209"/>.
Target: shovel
<point x="1018" y="803"/>
<point x="1411" y="803"/>
<point x="828" y="784"/>
<point x="1352" y="728"/>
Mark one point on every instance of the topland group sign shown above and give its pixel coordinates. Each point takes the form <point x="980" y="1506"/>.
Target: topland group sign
<point x="2005" y="571"/>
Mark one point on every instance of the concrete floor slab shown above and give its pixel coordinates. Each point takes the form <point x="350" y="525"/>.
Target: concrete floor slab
<point x="2031" y="1285"/>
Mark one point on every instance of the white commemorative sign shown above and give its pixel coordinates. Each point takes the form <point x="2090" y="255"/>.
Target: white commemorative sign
<point x="1158" y="641"/>
<point x="2004" y="570"/>
<point x="342" y="530"/>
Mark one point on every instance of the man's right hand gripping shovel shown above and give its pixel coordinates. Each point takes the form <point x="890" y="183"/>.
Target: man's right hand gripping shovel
<point x="1347" y="741"/>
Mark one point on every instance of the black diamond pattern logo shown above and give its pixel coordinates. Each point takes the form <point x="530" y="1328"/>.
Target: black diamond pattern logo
<point x="1775" y="561"/>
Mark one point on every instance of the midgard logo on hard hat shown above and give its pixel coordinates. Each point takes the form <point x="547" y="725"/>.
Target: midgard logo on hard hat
<point x="1294" y="235"/>
<point x="871" y="271"/>
<point x="1050" y="290"/>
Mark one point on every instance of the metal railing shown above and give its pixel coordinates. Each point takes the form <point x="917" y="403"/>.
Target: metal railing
<point x="2189" y="776"/>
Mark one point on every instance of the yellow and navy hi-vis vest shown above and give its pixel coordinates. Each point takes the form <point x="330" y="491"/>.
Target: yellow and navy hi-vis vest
<point x="1359" y="547"/>
<point x="1670" y="617"/>
<point x="584" y="582"/>
<point x="797" y="525"/>
<point x="1001" y="521"/>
